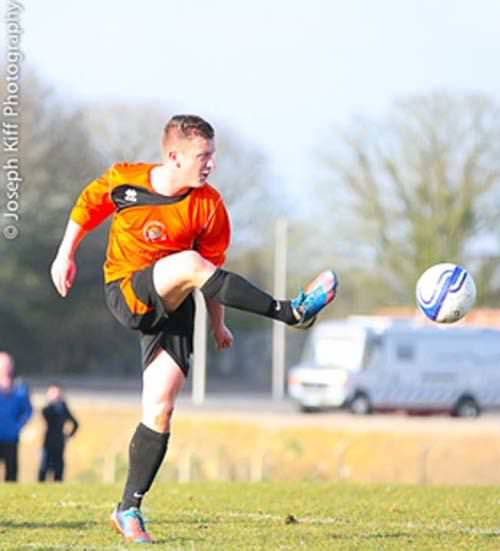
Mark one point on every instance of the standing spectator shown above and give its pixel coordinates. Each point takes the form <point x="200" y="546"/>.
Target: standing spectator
<point x="56" y="414"/>
<point x="15" y="412"/>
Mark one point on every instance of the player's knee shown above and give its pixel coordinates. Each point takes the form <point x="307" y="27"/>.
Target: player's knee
<point x="168" y="410"/>
<point x="195" y="264"/>
<point x="158" y="416"/>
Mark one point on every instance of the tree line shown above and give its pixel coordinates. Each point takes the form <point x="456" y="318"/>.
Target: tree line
<point x="391" y="198"/>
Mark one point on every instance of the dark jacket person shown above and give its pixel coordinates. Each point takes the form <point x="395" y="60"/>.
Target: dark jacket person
<point x="57" y="416"/>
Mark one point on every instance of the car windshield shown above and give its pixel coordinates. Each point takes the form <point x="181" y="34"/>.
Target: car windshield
<point x="339" y="352"/>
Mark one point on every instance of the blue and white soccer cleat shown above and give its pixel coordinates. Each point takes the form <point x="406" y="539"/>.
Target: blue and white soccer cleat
<point x="313" y="298"/>
<point x="130" y="525"/>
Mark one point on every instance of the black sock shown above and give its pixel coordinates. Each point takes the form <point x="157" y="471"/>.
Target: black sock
<point x="235" y="291"/>
<point x="146" y="452"/>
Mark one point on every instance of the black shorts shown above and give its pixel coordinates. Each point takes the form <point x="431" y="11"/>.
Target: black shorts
<point x="134" y="302"/>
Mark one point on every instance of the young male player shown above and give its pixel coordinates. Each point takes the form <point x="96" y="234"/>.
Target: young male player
<point x="169" y="235"/>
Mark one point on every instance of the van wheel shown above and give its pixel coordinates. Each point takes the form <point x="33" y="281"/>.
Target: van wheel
<point x="466" y="407"/>
<point x="360" y="404"/>
<point x="308" y="409"/>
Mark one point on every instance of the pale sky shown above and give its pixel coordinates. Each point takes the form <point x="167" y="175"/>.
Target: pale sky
<point x="277" y="72"/>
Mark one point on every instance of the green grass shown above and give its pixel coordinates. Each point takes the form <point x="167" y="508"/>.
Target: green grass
<point x="264" y="516"/>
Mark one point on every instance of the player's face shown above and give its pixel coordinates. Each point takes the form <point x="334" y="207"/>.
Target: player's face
<point x="6" y="371"/>
<point x="54" y="394"/>
<point x="195" y="161"/>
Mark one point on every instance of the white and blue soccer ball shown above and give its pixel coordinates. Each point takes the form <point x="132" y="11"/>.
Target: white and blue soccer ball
<point x="446" y="292"/>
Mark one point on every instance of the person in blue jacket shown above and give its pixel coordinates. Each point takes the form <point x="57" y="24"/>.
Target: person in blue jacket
<point x="15" y="412"/>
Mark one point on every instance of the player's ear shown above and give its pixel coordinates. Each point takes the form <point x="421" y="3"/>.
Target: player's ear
<point x="174" y="157"/>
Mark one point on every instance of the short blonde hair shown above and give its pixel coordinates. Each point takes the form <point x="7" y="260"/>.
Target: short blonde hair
<point x="186" y="127"/>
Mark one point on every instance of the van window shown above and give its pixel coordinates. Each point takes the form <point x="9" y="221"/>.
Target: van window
<point x="405" y="352"/>
<point x="373" y="348"/>
<point x="338" y="352"/>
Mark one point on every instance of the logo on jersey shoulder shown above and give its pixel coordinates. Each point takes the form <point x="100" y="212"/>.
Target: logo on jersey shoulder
<point x="131" y="195"/>
<point x="155" y="231"/>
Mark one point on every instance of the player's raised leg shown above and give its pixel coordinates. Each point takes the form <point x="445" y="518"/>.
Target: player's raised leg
<point x="177" y="275"/>
<point x="162" y="381"/>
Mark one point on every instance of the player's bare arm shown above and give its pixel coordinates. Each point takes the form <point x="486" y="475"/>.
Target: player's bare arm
<point x="63" y="269"/>
<point x="222" y="335"/>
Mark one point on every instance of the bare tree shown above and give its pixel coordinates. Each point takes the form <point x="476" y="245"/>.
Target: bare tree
<point x="125" y="131"/>
<point x="63" y="146"/>
<point x="420" y="188"/>
<point x="131" y="132"/>
<point x="55" y="157"/>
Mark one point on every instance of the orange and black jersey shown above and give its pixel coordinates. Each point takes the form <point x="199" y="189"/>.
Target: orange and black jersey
<point x="146" y="225"/>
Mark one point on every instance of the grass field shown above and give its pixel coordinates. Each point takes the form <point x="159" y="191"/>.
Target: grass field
<point x="263" y="516"/>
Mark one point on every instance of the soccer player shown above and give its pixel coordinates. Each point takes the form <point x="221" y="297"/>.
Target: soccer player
<point x="57" y="416"/>
<point x="169" y="235"/>
<point x="15" y="412"/>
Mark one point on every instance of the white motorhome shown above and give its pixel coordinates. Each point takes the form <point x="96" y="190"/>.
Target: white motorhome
<point x="385" y="365"/>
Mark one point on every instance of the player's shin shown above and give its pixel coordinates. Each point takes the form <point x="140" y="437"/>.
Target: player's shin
<point x="146" y="452"/>
<point x="235" y="291"/>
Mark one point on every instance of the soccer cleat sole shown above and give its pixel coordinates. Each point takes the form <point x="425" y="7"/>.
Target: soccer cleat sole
<point x="305" y="324"/>
<point x="130" y="539"/>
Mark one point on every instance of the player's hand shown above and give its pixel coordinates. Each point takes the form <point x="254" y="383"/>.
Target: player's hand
<point x="63" y="273"/>
<point x="223" y="337"/>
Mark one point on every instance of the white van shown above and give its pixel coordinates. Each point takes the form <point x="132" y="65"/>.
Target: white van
<point x="386" y="365"/>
